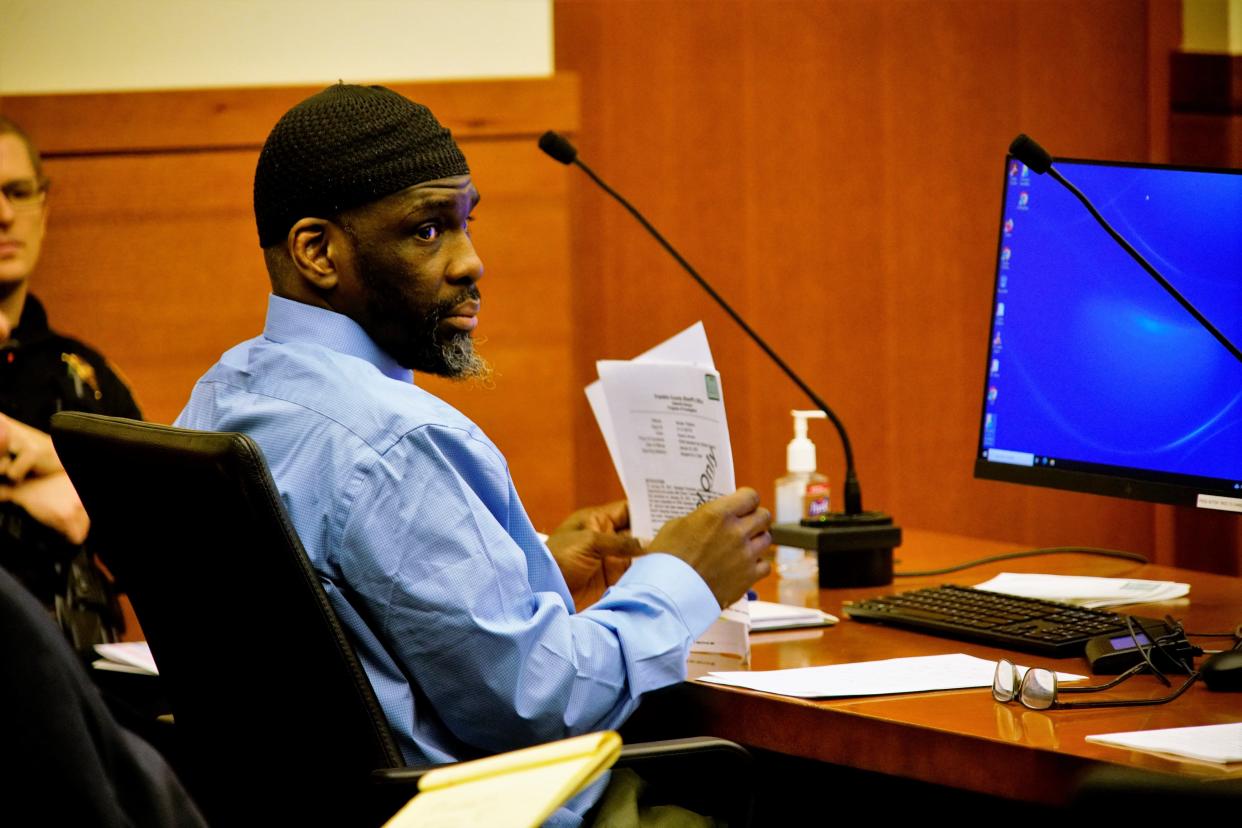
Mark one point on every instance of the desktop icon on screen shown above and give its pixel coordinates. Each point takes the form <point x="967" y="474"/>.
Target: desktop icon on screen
<point x="1008" y="227"/>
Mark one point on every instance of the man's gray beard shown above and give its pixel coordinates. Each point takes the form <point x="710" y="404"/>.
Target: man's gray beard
<point x="460" y="361"/>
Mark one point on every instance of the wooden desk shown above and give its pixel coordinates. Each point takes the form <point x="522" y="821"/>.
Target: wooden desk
<point x="962" y="739"/>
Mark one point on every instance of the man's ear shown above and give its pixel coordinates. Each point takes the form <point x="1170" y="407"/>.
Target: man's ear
<point x="318" y="249"/>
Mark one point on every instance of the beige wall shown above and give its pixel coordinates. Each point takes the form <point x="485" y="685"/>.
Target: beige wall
<point x="99" y="45"/>
<point x="1212" y="26"/>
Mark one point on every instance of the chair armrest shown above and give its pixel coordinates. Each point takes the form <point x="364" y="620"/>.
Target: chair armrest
<point x="401" y="777"/>
<point x="693" y="748"/>
<point x="710" y="776"/>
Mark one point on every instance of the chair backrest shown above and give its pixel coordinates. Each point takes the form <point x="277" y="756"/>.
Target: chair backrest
<point x="273" y="711"/>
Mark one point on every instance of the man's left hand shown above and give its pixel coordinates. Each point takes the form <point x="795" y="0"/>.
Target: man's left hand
<point x="593" y="549"/>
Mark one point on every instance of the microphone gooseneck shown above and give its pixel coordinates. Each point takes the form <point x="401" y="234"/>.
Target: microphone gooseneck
<point x="1038" y="159"/>
<point x="559" y="148"/>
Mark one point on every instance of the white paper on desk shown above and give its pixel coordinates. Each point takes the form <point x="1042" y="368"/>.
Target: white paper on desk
<point x="127" y="657"/>
<point x="768" y="615"/>
<point x="917" y="674"/>
<point x="690" y="346"/>
<point x="1208" y="743"/>
<point x="1085" y="590"/>
<point x="668" y="420"/>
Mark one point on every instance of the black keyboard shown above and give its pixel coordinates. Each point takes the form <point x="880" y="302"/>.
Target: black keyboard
<point x="1025" y="624"/>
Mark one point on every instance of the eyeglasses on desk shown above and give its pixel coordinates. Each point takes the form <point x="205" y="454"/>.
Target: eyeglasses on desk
<point x="1039" y="688"/>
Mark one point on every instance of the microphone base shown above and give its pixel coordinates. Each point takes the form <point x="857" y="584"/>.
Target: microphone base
<point x="853" y="550"/>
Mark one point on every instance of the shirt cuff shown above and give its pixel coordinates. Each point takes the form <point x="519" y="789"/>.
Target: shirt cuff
<point x="681" y="583"/>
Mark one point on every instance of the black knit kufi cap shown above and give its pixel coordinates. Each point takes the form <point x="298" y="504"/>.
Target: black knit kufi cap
<point x="344" y="147"/>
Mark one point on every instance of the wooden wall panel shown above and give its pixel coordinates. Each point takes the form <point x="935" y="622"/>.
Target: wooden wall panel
<point x="152" y="256"/>
<point x="834" y="168"/>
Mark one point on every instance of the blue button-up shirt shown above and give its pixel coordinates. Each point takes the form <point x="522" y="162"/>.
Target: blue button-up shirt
<point x="406" y="509"/>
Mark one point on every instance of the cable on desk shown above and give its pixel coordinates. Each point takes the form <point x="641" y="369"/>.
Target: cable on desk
<point x="1236" y="635"/>
<point x="1028" y="553"/>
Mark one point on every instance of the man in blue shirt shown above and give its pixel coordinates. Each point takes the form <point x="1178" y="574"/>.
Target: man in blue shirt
<point x="462" y="617"/>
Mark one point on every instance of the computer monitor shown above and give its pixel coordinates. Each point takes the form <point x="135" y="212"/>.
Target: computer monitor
<point x="1096" y="379"/>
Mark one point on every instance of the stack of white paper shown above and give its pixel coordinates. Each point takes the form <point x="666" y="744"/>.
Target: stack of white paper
<point x="767" y="615"/>
<point x="126" y="657"/>
<point x="662" y="415"/>
<point x="1084" y="590"/>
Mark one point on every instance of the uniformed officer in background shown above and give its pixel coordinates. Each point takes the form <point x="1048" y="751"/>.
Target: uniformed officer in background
<point x="42" y="522"/>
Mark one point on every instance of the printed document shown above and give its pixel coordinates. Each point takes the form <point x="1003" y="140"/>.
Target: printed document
<point x="662" y="415"/>
<point x="669" y="426"/>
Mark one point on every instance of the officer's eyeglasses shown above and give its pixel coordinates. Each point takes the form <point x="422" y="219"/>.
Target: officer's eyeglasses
<point x="1039" y="689"/>
<point x="25" y="193"/>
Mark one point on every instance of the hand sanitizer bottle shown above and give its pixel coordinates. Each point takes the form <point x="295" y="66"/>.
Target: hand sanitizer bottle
<point x="791" y="562"/>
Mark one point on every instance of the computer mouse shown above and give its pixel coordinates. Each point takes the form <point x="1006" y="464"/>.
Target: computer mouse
<point x="1223" y="671"/>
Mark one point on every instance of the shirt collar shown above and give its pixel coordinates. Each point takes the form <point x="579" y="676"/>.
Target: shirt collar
<point x="290" y="321"/>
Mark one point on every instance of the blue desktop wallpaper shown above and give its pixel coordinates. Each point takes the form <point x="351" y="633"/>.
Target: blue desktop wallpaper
<point x="1091" y="359"/>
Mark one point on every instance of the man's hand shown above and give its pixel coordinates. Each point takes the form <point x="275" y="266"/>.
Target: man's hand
<point x="32" y="477"/>
<point x="593" y="550"/>
<point x="52" y="501"/>
<point x="724" y="541"/>
<point x="29" y="451"/>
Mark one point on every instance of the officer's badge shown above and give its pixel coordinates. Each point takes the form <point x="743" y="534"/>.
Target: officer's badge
<point x="83" y="374"/>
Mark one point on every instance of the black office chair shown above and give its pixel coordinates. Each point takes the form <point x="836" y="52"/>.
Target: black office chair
<point x="1114" y="790"/>
<point x="274" y="715"/>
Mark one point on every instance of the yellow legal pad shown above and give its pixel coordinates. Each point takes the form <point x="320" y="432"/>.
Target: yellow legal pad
<point x="519" y="789"/>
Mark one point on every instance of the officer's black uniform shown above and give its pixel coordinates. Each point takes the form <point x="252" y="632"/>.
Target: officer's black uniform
<point x="42" y="372"/>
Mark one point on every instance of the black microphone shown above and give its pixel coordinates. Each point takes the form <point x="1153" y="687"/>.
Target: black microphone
<point x="1029" y="152"/>
<point x="1025" y="149"/>
<point x="861" y="543"/>
<point x="558" y="146"/>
